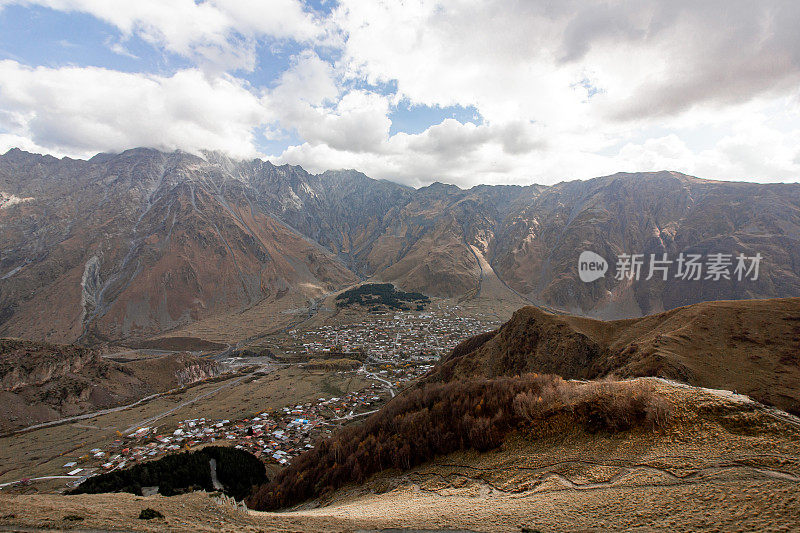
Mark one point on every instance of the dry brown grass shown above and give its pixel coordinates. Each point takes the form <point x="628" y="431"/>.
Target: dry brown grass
<point x="437" y="419"/>
<point x="600" y="405"/>
<point x="749" y="346"/>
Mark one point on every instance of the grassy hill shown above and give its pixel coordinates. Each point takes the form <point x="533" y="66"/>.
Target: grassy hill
<point x="751" y="346"/>
<point x="506" y="383"/>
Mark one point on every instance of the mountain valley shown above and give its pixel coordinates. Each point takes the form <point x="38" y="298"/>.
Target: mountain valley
<point x="144" y="242"/>
<point x="381" y="347"/>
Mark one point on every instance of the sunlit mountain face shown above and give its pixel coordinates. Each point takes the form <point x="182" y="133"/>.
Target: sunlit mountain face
<point x="142" y="242"/>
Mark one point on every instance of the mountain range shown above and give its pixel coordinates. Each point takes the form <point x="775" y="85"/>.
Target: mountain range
<point x="134" y="244"/>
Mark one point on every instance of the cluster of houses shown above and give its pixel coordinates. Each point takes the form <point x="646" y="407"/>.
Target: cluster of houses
<point x="422" y="336"/>
<point x="394" y="350"/>
<point x="273" y="435"/>
<point x="397" y="372"/>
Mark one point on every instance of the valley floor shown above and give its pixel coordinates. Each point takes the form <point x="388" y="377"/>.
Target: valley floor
<point x="722" y="463"/>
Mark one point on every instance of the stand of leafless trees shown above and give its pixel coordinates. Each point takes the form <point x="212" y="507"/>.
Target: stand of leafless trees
<point x="440" y="418"/>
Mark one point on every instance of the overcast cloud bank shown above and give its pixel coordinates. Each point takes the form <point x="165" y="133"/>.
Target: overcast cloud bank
<point x="562" y="90"/>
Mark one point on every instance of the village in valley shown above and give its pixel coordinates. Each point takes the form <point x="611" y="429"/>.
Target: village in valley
<point x="393" y="338"/>
<point x="388" y="351"/>
<point x="275" y="436"/>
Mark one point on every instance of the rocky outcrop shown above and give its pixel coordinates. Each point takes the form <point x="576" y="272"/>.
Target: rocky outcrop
<point x="43" y="382"/>
<point x="26" y="363"/>
<point x="193" y="369"/>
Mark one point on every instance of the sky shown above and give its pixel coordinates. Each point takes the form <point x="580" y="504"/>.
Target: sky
<point x="414" y="91"/>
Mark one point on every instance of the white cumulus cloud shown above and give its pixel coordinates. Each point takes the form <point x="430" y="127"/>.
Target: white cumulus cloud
<point x="564" y="90"/>
<point x="83" y="110"/>
<point x="218" y="34"/>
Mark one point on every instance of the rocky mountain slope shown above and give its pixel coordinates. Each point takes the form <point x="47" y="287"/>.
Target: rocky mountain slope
<point x="134" y="244"/>
<point x="131" y="245"/>
<point x="42" y="382"/>
<point x="649" y="213"/>
<point x="749" y="346"/>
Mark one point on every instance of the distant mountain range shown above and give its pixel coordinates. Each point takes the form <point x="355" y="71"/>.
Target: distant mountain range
<point x="142" y="242"/>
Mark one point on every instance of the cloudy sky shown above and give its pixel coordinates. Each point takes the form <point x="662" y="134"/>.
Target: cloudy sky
<point x="461" y="91"/>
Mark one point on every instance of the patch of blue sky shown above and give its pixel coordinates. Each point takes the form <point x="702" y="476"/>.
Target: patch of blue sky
<point x="380" y="87"/>
<point x="321" y="7"/>
<point x="273" y="57"/>
<point x="414" y="119"/>
<point x="697" y="137"/>
<point x="40" y="36"/>
<point x="273" y="143"/>
<point x="589" y="87"/>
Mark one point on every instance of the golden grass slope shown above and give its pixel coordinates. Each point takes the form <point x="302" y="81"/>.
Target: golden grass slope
<point x="751" y="346"/>
<point x="721" y="462"/>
